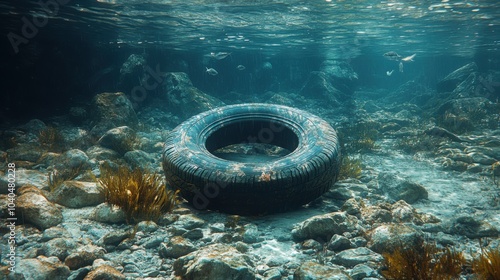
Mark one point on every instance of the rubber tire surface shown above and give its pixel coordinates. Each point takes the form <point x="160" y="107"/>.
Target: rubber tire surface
<point x="252" y="188"/>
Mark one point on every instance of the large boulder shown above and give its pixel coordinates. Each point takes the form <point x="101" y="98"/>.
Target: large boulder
<point x="76" y="194"/>
<point x="319" y="86"/>
<point x="110" y="110"/>
<point x="119" y="139"/>
<point x="40" y="268"/>
<point x="341" y="75"/>
<point x="450" y="82"/>
<point x="323" y="227"/>
<point x="398" y="188"/>
<point x="387" y="238"/>
<point x="184" y="99"/>
<point x="216" y="261"/>
<point x="36" y="209"/>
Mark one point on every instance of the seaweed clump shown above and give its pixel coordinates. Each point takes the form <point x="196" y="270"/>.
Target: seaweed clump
<point x="423" y="261"/>
<point x="487" y="265"/>
<point x="360" y="137"/>
<point x="51" y="138"/>
<point x="142" y="196"/>
<point x="350" y="168"/>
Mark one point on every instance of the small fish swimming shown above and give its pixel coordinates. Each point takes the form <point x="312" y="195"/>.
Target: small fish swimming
<point x="401" y="67"/>
<point x="389" y="73"/>
<point x="240" y="67"/>
<point x="212" y="71"/>
<point x="220" y="55"/>
<point x="392" y="56"/>
<point x="408" y="58"/>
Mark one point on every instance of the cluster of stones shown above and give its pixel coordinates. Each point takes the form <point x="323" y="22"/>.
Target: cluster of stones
<point x="69" y="232"/>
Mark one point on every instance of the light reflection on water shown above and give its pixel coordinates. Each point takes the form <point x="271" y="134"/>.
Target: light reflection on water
<point x="345" y="28"/>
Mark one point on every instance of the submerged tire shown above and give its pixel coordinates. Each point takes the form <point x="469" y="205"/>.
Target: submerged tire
<point x="252" y="187"/>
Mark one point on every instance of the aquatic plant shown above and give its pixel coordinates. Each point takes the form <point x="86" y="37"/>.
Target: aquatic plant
<point x="419" y="143"/>
<point x="359" y="137"/>
<point x="487" y="265"/>
<point x="423" y="261"/>
<point x="51" y="138"/>
<point x="142" y="195"/>
<point x="350" y="168"/>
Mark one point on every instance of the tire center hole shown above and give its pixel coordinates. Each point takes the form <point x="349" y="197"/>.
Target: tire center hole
<point x="255" y="140"/>
<point x="251" y="152"/>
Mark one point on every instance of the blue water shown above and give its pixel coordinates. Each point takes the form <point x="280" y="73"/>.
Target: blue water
<point x="79" y="46"/>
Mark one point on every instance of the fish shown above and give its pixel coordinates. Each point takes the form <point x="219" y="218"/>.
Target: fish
<point x="240" y="67"/>
<point x="220" y="55"/>
<point x="408" y="58"/>
<point x="392" y="56"/>
<point x="401" y="67"/>
<point x="212" y="71"/>
<point x="389" y="73"/>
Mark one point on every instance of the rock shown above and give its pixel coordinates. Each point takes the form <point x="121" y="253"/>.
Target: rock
<point x="119" y="139"/>
<point x="80" y="273"/>
<point x="40" y="268"/>
<point x="323" y="227"/>
<point x="34" y="126"/>
<point x="215" y="261"/>
<point x="84" y="256"/>
<point x="251" y="233"/>
<point x="311" y="244"/>
<point x="376" y="214"/>
<point x="189" y="221"/>
<point x="110" y="110"/>
<point x="24" y="177"/>
<point x="25" y="152"/>
<point x="449" y="83"/>
<point x="351" y="207"/>
<point x="386" y="238"/>
<point x="71" y="163"/>
<point x="105" y="272"/>
<point x="311" y="270"/>
<point x="58" y="247"/>
<point x="272" y="274"/>
<point x="37" y="210"/>
<point x="341" y="75"/>
<point x="362" y="271"/>
<point x="193" y="234"/>
<point x="473" y="228"/>
<point x="176" y="247"/>
<point x="441" y="132"/>
<point x="76" y="194"/>
<point x="402" y="212"/>
<point x="115" y="237"/>
<point x="339" y="243"/>
<point x="54" y="232"/>
<point x="133" y="62"/>
<point x="100" y="153"/>
<point x="319" y="86"/>
<point x="464" y="108"/>
<point x="140" y="159"/>
<point x="184" y="99"/>
<point x="106" y="213"/>
<point x="356" y="256"/>
<point x="397" y="188"/>
<point x="147" y="226"/>
<point x="77" y="115"/>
